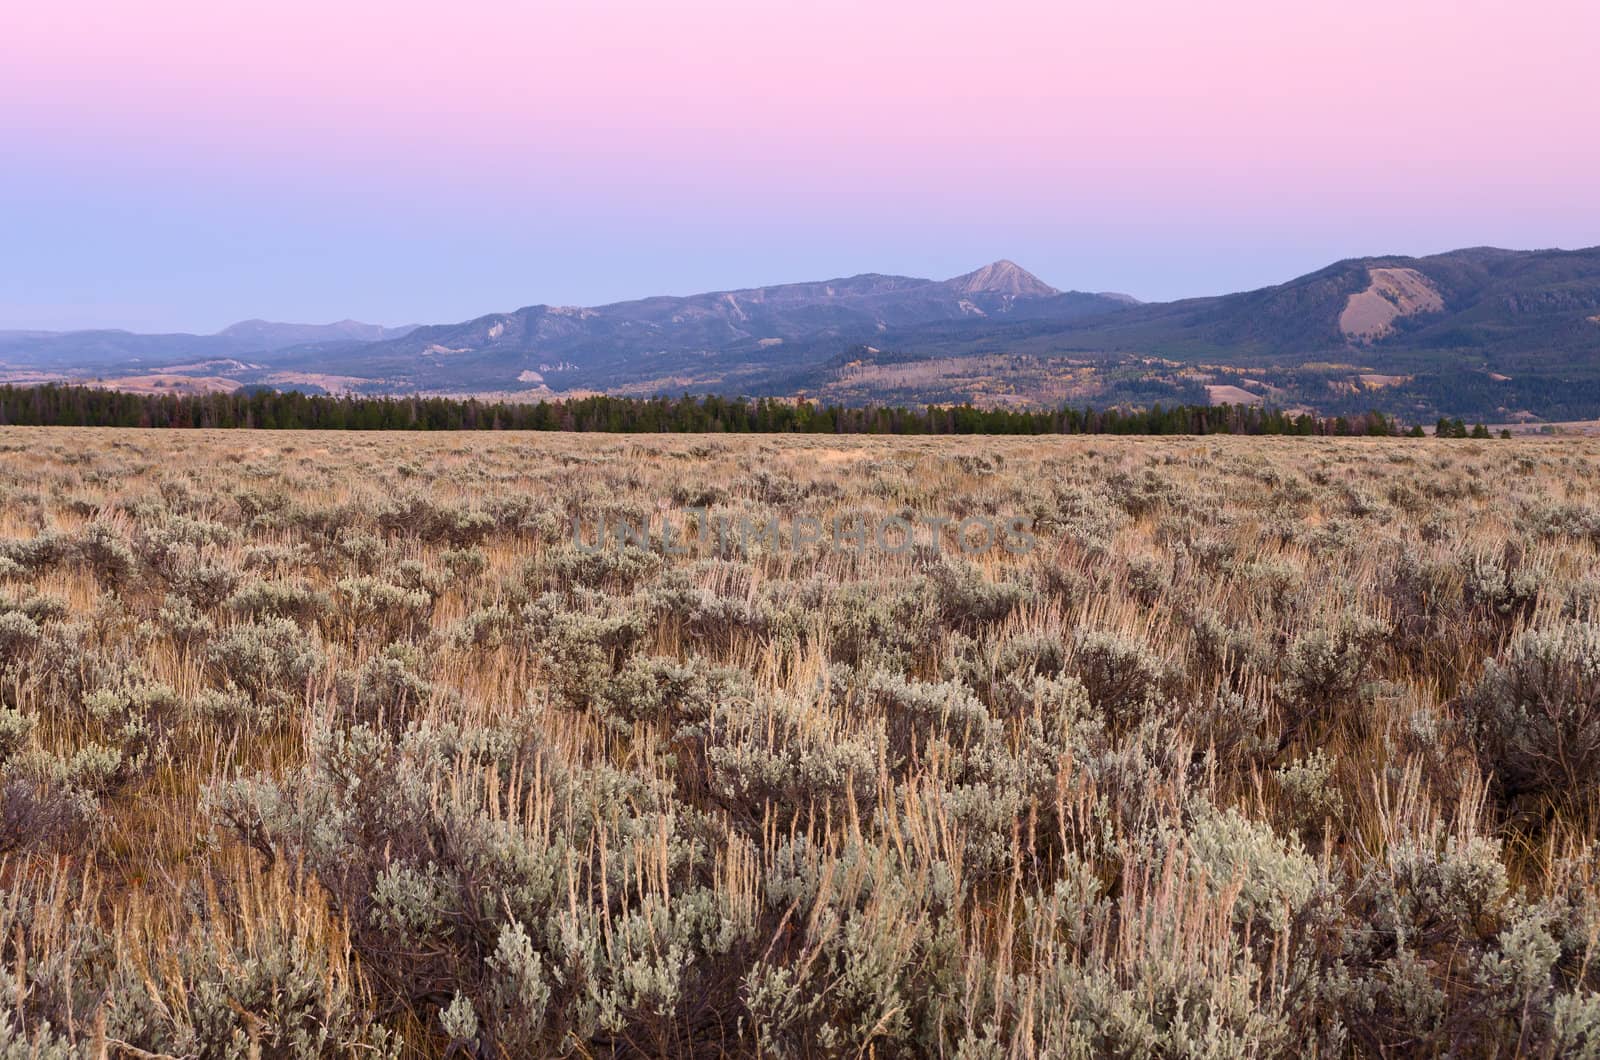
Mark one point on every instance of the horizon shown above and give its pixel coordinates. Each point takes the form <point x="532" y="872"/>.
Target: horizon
<point x="181" y="167"/>
<point x="391" y="325"/>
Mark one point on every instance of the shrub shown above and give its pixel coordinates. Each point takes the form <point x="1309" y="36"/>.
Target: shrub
<point x="260" y="599"/>
<point x="1561" y="520"/>
<point x="49" y="959"/>
<point x="675" y="695"/>
<point x="1225" y="650"/>
<point x="916" y="714"/>
<point x="269" y="661"/>
<point x="390" y="686"/>
<point x="267" y="976"/>
<point x="966" y="599"/>
<point x="485" y="627"/>
<point x="795" y="804"/>
<point x="1271" y="882"/>
<point x="37" y="554"/>
<point x="365" y="551"/>
<point x="121" y="729"/>
<point x="1121" y="675"/>
<point x="1310" y="798"/>
<point x="15" y="727"/>
<point x="777" y="490"/>
<point x="1426" y="600"/>
<point x="1137" y="494"/>
<point x="168" y="542"/>
<point x="706" y="614"/>
<point x="782" y="755"/>
<point x="585" y="641"/>
<point x="100" y="549"/>
<point x="1534" y="715"/>
<point x="1504" y="586"/>
<point x="185" y="623"/>
<point x="264" y="978"/>
<point x="36" y="812"/>
<point x="880" y="624"/>
<point x="1090" y="518"/>
<point x="375" y="609"/>
<point x="1326" y="667"/>
<point x="1440" y="945"/>
<point x="1236" y="727"/>
<point x="416" y="515"/>
<point x="127" y="699"/>
<point x="19" y="634"/>
<point x="464" y="564"/>
<point x="618" y="568"/>
<point x="97" y="547"/>
<point x="458" y="903"/>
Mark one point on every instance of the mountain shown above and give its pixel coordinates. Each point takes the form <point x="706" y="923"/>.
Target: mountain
<point x="258" y="335"/>
<point x="722" y="338"/>
<point x="1004" y="278"/>
<point x="113" y="349"/>
<point x="1493" y="334"/>
<point x="1482" y="301"/>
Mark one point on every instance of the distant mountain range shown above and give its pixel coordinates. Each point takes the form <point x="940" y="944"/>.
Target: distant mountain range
<point x="731" y="340"/>
<point x="1493" y="334"/>
<point x="126" y="349"/>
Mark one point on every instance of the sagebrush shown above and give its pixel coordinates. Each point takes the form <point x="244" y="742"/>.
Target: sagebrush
<point x="340" y="745"/>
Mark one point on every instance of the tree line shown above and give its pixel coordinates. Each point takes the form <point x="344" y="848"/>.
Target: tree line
<point x="80" y="406"/>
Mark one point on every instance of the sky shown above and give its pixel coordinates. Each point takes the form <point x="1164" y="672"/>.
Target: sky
<point x="183" y="164"/>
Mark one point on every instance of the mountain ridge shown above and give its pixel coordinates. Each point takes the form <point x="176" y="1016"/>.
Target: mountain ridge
<point x="738" y="330"/>
<point x="117" y="347"/>
<point x="1482" y="329"/>
<point x="273" y="335"/>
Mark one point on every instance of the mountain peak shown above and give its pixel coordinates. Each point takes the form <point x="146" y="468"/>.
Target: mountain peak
<point x="1002" y="277"/>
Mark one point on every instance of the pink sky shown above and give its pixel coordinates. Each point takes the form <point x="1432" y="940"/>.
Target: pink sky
<point x="182" y="163"/>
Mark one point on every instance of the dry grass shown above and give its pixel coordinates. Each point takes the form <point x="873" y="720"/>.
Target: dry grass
<point x="1390" y="294"/>
<point x="1231" y="395"/>
<point x="332" y="744"/>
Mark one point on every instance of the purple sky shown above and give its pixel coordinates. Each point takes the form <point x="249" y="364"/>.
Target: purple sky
<point x="174" y="164"/>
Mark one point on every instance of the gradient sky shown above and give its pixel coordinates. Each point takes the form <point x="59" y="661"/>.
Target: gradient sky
<point x="181" y="164"/>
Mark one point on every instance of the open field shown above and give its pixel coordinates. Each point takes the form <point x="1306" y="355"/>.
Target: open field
<point x="1587" y="427"/>
<point x="329" y="744"/>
